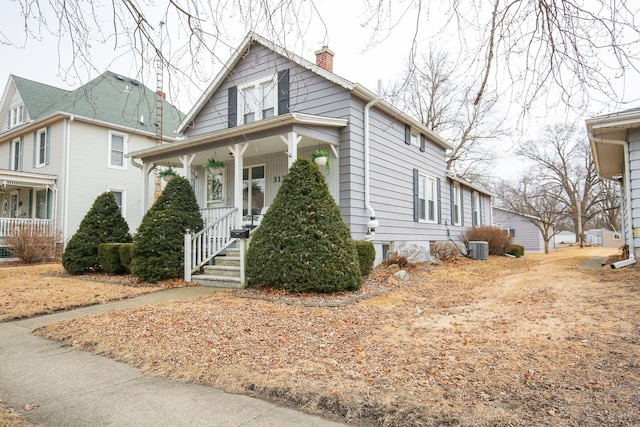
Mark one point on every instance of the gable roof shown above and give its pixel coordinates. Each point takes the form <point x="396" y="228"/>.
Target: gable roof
<point x="109" y="98"/>
<point x="355" y="88"/>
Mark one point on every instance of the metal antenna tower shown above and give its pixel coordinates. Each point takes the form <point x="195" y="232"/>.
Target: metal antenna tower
<point x="160" y="95"/>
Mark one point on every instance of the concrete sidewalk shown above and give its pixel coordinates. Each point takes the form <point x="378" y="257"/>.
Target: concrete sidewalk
<point x="74" y="388"/>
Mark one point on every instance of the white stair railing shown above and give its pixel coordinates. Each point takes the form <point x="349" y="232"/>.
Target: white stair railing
<point x="201" y="247"/>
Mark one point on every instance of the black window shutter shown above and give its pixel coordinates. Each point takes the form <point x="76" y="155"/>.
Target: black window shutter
<point x="416" y="187"/>
<point x="283" y="92"/>
<point x="423" y="143"/>
<point x="233" y="107"/>
<point x="473" y="208"/>
<point x="407" y="134"/>
<point x="439" y="192"/>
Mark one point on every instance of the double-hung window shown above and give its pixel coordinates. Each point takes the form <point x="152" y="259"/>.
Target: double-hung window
<point x="119" y="195"/>
<point x="15" y="159"/>
<point x="16" y="116"/>
<point x="41" y="148"/>
<point x="456" y="204"/>
<point x="427" y="199"/>
<point x="475" y="200"/>
<point x="117" y="149"/>
<point x="257" y="100"/>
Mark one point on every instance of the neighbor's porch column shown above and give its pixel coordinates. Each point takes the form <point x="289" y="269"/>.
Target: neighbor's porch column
<point x="237" y="151"/>
<point x="292" y="139"/>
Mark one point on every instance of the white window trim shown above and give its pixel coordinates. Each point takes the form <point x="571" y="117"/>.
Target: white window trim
<point x="17" y="116"/>
<point x="214" y="203"/>
<point x="415" y="139"/>
<point x="125" y="141"/>
<point x="457" y="203"/>
<point x="15" y="148"/>
<point x="427" y="179"/>
<point x="123" y="209"/>
<point x="39" y="147"/>
<point x="257" y="84"/>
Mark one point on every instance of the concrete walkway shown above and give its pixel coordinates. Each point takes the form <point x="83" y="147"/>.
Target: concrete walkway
<point x="74" y="388"/>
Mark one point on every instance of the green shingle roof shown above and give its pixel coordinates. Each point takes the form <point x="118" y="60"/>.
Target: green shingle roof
<point x="110" y="98"/>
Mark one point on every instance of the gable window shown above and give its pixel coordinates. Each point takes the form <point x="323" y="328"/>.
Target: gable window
<point x="456" y="204"/>
<point x="258" y="100"/>
<point x="16" y="116"/>
<point x="41" y="147"/>
<point x="117" y="149"/>
<point x="426" y="197"/>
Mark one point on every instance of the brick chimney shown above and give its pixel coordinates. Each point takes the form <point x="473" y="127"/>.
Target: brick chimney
<point x="324" y="58"/>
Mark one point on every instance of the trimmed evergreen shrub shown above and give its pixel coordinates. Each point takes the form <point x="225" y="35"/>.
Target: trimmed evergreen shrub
<point x="109" y="255"/>
<point x="126" y="250"/>
<point x="158" y="250"/>
<point x="366" y="256"/>
<point x="103" y="223"/>
<point x="303" y="244"/>
<point x="498" y="238"/>
<point x="516" y="250"/>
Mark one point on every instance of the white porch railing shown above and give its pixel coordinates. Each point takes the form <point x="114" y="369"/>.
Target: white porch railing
<point x="209" y="215"/>
<point x="201" y="247"/>
<point x="40" y="226"/>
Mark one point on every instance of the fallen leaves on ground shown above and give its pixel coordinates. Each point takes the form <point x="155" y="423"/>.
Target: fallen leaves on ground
<point x="529" y="341"/>
<point x="31" y="290"/>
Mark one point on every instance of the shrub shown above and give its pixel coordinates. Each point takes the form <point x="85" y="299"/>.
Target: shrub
<point x="158" y="250"/>
<point x="109" y="255"/>
<point x="498" y="239"/>
<point x="445" y="251"/>
<point x="126" y="250"/>
<point x="103" y="223"/>
<point x="395" y="258"/>
<point x="33" y="245"/>
<point x="303" y="244"/>
<point x="366" y="256"/>
<point x="516" y="250"/>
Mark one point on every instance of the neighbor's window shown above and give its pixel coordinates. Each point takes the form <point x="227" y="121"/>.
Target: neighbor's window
<point x="457" y="204"/>
<point x="41" y="148"/>
<point x="16" y="155"/>
<point x="117" y="149"/>
<point x="476" y="208"/>
<point x="414" y="139"/>
<point x="16" y="116"/>
<point x="257" y="100"/>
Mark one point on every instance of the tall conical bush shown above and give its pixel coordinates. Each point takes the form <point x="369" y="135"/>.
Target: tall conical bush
<point x="158" y="250"/>
<point x="303" y="244"/>
<point x="103" y="223"/>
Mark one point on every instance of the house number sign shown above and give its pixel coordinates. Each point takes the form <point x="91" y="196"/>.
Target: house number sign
<point x="278" y="179"/>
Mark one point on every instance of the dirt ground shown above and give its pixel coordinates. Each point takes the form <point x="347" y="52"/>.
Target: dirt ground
<point x="530" y="341"/>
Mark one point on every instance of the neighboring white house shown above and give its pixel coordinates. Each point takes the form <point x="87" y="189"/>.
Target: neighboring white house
<point x="60" y="149"/>
<point x="564" y="238"/>
<point x="524" y="232"/>
<point x="603" y="237"/>
<point x="615" y="145"/>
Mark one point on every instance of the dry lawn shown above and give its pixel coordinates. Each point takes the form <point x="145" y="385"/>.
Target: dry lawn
<point x="507" y="342"/>
<point x="27" y="291"/>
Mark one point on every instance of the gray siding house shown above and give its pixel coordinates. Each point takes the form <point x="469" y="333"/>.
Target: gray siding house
<point x="60" y="149"/>
<point x="268" y="107"/>
<point x="615" y="145"/>
<point x="523" y="231"/>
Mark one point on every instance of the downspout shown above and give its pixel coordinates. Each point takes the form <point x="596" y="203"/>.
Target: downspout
<point x="627" y="194"/>
<point x="372" y="224"/>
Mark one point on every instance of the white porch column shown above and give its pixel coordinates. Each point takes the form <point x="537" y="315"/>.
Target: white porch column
<point x="237" y="151"/>
<point x="292" y="141"/>
<point x="147" y="168"/>
<point x="186" y="161"/>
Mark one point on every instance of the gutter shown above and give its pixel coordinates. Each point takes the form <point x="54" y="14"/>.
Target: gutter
<point x="627" y="190"/>
<point x="372" y="224"/>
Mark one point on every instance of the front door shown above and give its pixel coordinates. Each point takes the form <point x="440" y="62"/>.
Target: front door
<point x="252" y="190"/>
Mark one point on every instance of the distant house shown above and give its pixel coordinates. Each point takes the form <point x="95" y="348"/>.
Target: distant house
<point x="615" y="145"/>
<point x="60" y="149"/>
<point x="603" y="237"/>
<point x="524" y="232"/>
<point x="268" y="107"/>
<point x="564" y="238"/>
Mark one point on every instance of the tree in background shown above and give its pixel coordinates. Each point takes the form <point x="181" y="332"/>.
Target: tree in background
<point x="103" y="223"/>
<point x="158" y="250"/>
<point x="303" y="244"/>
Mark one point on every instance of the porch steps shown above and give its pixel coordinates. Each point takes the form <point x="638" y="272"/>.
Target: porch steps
<point x="224" y="274"/>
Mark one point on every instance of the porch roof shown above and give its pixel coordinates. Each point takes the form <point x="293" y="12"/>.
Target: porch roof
<point x="313" y="126"/>
<point x="26" y="179"/>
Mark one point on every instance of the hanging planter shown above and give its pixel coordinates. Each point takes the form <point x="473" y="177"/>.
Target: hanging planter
<point x="321" y="158"/>
<point x="213" y="164"/>
<point x="167" y="174"/>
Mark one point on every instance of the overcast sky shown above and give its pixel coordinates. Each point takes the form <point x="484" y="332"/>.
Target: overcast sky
<point x="44" y="58"/>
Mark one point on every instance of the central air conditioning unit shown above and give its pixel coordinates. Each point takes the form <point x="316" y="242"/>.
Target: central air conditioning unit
<point x="478" y="250"/>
